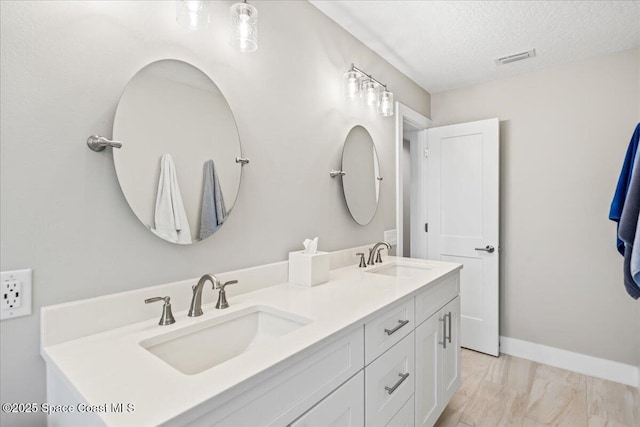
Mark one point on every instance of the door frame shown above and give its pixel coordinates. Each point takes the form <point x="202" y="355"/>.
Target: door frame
<point x="421" y="124"/>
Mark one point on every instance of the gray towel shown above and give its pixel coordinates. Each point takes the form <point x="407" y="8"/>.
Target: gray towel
<point x="213" y="212"/>
<point x="628" y="228"/>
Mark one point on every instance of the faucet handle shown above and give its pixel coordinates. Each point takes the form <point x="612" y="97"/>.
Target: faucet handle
<point x="230" y="282"/>
<point x="363" y="263"/>
<point x="222" y="295"/>
<point x="167" y="317"/>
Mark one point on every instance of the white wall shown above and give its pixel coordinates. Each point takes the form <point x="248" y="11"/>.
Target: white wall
<point x="64" y="66"/>
<point x="564" y="134"/>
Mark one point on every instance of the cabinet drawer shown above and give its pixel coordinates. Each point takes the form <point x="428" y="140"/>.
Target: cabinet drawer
<point x="404" y="417"/>
<point x="287" y="393"/>
<point x="387" y="329"/>
<point x="429" y="301"/>
<point x="342" y="408"/>
<point x="389" y="382"/>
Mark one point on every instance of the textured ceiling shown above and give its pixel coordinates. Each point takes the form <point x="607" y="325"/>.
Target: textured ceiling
<point x="444" y="45"/>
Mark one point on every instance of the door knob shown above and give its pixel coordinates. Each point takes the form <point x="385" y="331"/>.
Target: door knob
<point x="488" y="248"/>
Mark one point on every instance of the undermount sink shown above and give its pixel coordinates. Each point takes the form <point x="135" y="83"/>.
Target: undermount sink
<point x="401" y="269"/>
<point x="198" y="347"/>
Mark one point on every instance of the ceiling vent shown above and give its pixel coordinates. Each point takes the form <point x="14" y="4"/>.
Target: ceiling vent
<point x="516" y="57"/>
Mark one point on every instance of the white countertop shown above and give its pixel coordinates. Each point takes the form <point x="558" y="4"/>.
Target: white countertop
<point x="111" y="367"/>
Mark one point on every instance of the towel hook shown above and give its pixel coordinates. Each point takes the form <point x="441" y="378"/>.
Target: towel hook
<point x="333" y="173"/>
<point x="98" y="143"/>
<point x="242" y="160"/>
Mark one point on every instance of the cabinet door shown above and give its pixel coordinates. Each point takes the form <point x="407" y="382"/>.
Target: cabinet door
<point x="428" y="369"/>
<point x="342" y="408"/>
<point x="451" y="354"/>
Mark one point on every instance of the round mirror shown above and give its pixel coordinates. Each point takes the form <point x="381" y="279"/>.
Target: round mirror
<point x="361" y="179"/>
<point x="177" y="166"/>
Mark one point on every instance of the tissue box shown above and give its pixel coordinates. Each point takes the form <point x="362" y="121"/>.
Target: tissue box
<point x="308" y="269"/>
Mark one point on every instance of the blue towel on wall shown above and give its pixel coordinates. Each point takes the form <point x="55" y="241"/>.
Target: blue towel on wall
<point x="213" y="212"/>
<point x="635" y="256"/>
<point x="623" y="183"/>
<point x="628" y="225"/>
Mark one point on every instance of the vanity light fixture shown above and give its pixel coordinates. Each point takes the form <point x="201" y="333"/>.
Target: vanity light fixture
<point x="244" y="27"/>
<point x="192" y="14"/>
<point x="374" y="94"/>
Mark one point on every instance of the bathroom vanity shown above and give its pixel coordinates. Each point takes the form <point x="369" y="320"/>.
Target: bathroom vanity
<point x="374" y="346"/>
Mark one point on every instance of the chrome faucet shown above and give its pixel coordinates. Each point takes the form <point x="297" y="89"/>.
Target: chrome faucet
<point x="372" y="252"/>
<point x="196" y="300"/>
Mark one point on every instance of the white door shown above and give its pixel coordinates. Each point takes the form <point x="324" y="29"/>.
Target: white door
<point x="463" y="216"/>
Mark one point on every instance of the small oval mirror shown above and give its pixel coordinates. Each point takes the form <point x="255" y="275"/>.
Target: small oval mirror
<point x="177" y="165"/>
<point x="361" y="180"/>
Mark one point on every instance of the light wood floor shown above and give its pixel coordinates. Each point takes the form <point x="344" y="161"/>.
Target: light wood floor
<point x="509" y="391"/>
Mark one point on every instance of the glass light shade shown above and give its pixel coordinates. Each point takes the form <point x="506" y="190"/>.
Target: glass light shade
<point x="244" y="27"/>
<point x="386" y="103"/>
<point x="370" y="90"/>
<point x="192" y="14"/>
<point x="351" y="81"/>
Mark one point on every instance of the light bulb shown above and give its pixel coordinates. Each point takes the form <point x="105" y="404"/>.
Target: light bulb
<point x="351" y="81"/>
<point x="192" y="14"/>
<point x="244" y="27"/>
<point x="386" y="103"/>
<point x="370" y="94"/>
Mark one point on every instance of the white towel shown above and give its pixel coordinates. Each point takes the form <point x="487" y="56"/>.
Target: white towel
<point x="170" y="217"/>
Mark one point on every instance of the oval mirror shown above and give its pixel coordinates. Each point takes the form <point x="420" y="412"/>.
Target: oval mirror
<point x="361" y="179"/>
<point x="177" y="165"/>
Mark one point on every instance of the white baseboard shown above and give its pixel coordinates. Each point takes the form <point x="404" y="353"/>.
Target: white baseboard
<point x="576" y="362"/>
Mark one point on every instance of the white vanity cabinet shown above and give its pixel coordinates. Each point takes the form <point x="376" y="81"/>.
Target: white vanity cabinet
<point x="437" y="362"/>
<point x="390" y="357"/>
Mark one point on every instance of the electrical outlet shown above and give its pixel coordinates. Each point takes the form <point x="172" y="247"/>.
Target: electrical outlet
<point x="15" y="289"/>
<point x="11" y="294"/>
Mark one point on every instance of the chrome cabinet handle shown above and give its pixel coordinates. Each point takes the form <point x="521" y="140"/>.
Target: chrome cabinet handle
<point x="449" y="336"/>
<point x="487" y="248"/>
<point x="394" y="330"/>
<point x="444" y="331"/>
<point x="403" y="377"/>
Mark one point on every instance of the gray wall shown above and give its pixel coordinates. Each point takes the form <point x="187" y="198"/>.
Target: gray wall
<point x="64" y="66"/>
<point x="564" y="132"/>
